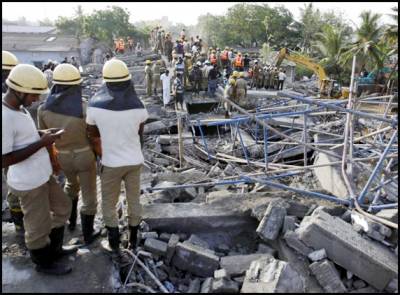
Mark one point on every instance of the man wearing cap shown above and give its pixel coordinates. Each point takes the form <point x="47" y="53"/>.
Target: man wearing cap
<point x="148" y="72"/>
<point x="156" y="76"/>
<point x="116" y="116"/>
<point x="45" y="206"/>
<point x="9" y="61"/>
<point x="196" y="76"/>
<point x="241" y="89"/>
<point x="65" y="109"/>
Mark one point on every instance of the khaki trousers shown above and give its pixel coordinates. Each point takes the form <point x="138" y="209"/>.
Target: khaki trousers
<point x="80" y="173"/>
<point x="45" y="207"/>
<point x="111" y="179"/>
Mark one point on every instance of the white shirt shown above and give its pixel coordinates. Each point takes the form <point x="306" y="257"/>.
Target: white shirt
<point x="281" y="76"/>
<point x="119" y="131"/>
<point x="166" y="82"/>
<point x="19" y="131"/>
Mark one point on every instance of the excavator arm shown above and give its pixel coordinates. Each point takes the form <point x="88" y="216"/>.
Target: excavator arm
<point x="302" y="60"/>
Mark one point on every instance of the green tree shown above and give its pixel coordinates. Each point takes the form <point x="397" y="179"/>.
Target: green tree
<point x="310" y="24"/>
<point x="46" y="22"/>
<point x="280" y="28"/>
<point x="366" y="47"/>
<point x="330" y="44"/>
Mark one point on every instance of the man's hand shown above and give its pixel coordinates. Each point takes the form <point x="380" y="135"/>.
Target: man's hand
<point x="49" y="137"/>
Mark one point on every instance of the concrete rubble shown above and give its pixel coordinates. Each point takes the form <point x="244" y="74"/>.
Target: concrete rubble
<point x="235" y="210"/>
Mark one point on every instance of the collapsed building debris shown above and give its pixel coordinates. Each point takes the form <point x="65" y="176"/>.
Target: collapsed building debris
<point x="215" y="210"/>
<point x="259" y="202"/>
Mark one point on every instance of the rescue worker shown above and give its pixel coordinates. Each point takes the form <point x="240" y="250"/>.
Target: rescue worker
<point x="74" y="62"/>
<point x="9" y="61"/>
<point x="196" y="75"/>
<point x="229" y="93"/>
<point x="178" y="91"/>
<point x="213" y="76"/>
<point x="179" y="69"/>
<point x="65" y="109"/>
<point x="179" y="49"/>
<point x="267" y="77"/>
<point x="225" y="57"/>
<point x="187" y="68"/>
<point x="238" y="62"/>
<point x="241" y="89"/>
<point x="246" y="62"/>
<point x="275" y="77"/>
<point x="168" y="48"/>
<point x="219" y="63"/>
<point x="156" y="76"/>
<point x="24" y="150"/>
<point x="117" y="114"/>
<point x="148" y="72"/>
<point x="256" y="69"/>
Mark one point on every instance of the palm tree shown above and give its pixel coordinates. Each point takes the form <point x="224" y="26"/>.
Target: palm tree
<point x="368" y="37"/>
<point x="330" y="44"/>
<point x="391" y="32"/>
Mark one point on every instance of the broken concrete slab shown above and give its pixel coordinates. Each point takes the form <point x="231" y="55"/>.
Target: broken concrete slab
<point x="269" y="275"/>
<point x="220" y="273"/>
<point x="224" y="285"/>
<point x="173" y="241"/>
<point x="196" y="240"/>
<point x="206" y="285"/>
<point x="192" y="217"/>
<point x="330" y="177"/>
<point x="155" y="246"/>
<point x="266" y="249"/>
<point x="271" y="224"/>
<point x="317" y="255"/>
<point x="389" y="214"/>
<point x="289" y="223"/>
<point x="293" y="240"/>
<point x="237" y="265"/>
<point x="369" y="261"/>
<point x="328" y="276"/>
<point x="195" y="259"/>
<point x="194" y="286"/>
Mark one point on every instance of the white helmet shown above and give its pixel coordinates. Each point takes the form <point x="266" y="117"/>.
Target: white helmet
<point x="199" y="63"/>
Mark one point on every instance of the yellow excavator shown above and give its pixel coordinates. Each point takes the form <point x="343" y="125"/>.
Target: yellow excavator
<point x="328" y="88"/>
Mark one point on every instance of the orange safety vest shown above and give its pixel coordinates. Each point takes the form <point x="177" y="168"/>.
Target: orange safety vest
<point x="213" y="58"/>
<point x="238" y="61"/>
<point x="224" y="55"/>
<point x="121" y="45"/>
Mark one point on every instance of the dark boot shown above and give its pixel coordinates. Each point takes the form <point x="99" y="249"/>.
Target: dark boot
<point x="17" y="218"/>
<point x="133" y="236"/>
<point x="44" y="260"/>
<point x="56" y="242"/>
<point x="112" y="245"/>
<point x="72" y="218"/>
<point x="89" y="234"/>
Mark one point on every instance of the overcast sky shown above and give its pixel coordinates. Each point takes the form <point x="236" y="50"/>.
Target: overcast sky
<point x="182" y="12"/>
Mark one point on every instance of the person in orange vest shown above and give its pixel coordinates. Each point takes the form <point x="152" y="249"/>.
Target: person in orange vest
<point x="121" y="46"/>
<point x="213" y="57"/>
<point x="224" y="57"/>
<point x="238" y="63"/>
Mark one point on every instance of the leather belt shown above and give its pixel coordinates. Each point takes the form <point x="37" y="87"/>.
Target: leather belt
<point x="86" y="148"/>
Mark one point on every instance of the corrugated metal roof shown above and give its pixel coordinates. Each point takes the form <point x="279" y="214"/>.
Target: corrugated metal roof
<point x="37" y="42"/>
<point x="27" y="29"/>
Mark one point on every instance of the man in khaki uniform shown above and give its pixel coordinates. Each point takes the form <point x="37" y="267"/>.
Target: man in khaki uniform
<point x="256" y="75"/>
<point x="118" y="116"/>
<point x="45" y="206"/>
<point x="231" y="94"/>
<point x="65" y="109"/>
<point x="187" y="68"/>
<point x="148" y="72"/>
<point x="156" y="76"/>
<point x="9" y="61"/>
<point x="241" y="89"/>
